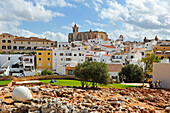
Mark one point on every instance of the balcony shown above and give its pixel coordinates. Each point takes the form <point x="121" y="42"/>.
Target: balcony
<point x="162" y="52"/>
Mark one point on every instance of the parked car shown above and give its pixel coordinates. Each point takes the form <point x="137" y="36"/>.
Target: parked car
<point x="17" y="74"/>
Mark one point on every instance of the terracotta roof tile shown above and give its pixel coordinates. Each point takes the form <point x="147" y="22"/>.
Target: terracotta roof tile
<point x="109" y="46"/>
<point x="107" y="55"/>
<point x="114" y="67"/>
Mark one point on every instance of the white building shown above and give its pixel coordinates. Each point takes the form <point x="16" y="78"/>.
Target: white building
<point x="66" y="58"/>
<point x="17" y="63"/>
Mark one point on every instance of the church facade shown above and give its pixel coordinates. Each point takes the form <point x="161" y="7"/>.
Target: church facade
<point x="84" y="36"/>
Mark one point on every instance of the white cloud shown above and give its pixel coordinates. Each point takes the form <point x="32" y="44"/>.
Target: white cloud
<point x="95" y="24"/>
<point x="88" y="21"/>
<point x="99" y="29"/>
<point x="99" y="24"/>
<point x="66" y="27"/>
<point x="60" y="14"/>
<point x="152" y="17"/>
<point x="97" y="4"/>
<point x="54" y="3"/>
<point x="18" y="10"/>
<point x="13" y="12"/>
<point x="49" y="35"/>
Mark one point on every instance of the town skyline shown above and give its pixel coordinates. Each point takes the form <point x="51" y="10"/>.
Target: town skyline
<point x="55" y="19"/>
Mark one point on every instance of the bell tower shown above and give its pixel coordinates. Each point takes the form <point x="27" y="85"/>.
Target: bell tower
<point x="75" y="32"/>
<point x="75" y="28"/>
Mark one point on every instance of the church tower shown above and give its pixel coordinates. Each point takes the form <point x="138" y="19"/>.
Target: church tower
<point x="75" y="32"/>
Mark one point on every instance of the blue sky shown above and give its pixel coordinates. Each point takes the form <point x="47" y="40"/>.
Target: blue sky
<point x="54" y="19"/>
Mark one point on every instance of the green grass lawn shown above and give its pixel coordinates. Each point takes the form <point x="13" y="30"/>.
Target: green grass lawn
<point x="63" y="82"/>
<point x="5" y="82"/>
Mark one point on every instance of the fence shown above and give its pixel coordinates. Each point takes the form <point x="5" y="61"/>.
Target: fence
<point x="42" y="77"/>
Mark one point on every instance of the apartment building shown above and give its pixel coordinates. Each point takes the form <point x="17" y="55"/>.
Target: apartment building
<point x="64" y="61"/>
<point x="17" y="63"/>
<point x="44" y="59"/>
<point x="11" y="44"/>
<point x="162" y="50"/>
<point x="6" y="43"/>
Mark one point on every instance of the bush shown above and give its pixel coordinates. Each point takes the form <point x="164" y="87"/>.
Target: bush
<point x="96" y="72"/>
<point x="131" y="73"/>
<point x="46" y="72"/>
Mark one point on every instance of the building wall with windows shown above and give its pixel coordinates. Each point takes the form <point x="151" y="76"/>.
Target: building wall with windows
<point x="162" y="50"/>
<point x="11" y="44"/>
<point x="31" y="44"/>
<point x="67" y="58"/>
<point x="44" y="59"/>
<point x="6" y="43"/>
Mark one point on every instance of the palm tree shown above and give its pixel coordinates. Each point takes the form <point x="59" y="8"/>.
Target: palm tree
<point x="148" y="62"/>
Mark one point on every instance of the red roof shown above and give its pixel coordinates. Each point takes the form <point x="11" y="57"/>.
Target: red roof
<point x="109" y="46"/>
<point x="32" y="39"/>
<point x="107" y="55"/>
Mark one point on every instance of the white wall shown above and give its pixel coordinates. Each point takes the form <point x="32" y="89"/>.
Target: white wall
<point x="161" y="71"/>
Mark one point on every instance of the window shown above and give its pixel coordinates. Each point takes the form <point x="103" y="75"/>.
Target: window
<point x="8" y="58"/>
<point x="51" y="43"/>
<point x="48" y="59"/>
<point x="82" y="54"/>
<point x="48" y="64"/>
<point x="68" y="54"/>
<point x="9" y="41"/>
<point x="3" y="47"/>
<point x="3" y="35"/>
<point x="39" y="59"/>
<point x="142" y="53"/>
<point x="59" y="45"/>
<point x="101" y="36"/>
<point x="131" y="57"/>
<point x="21" y="47"/>
<point x="39" y="53"/>
<point x="14" y="47"/>
<point x="48" y="53"/>
<point x="55" y="54"/>
<point x="39" y="64"/>
<point x="21" y="42"/>
<point x="75" y="54"/>
<point x="155" y="48"/>
<point x="61" y="59"/>
<point x="70" y="72"/>
<point x="3" y="41"/>
<point x="28" y="42"/>
<point x="9" y="47"/>
<point x="14" y="42"/>
<point x="79" y="54"/>
<point x="68" y="59"/>
<point x="43" y="42"/>
<point x="26" y="59"/>
<point x="47" y="42"/>
<point x="28" y="48"/>
<point x="61" y="54"/>
<point x="9" y="36"/>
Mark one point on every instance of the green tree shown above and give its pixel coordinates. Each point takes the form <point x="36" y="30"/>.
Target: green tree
<point x="46" y="72"/>
<point x="131" y="73"/>
<point x="96" y="72"/>
<point x="148" y="65"/>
